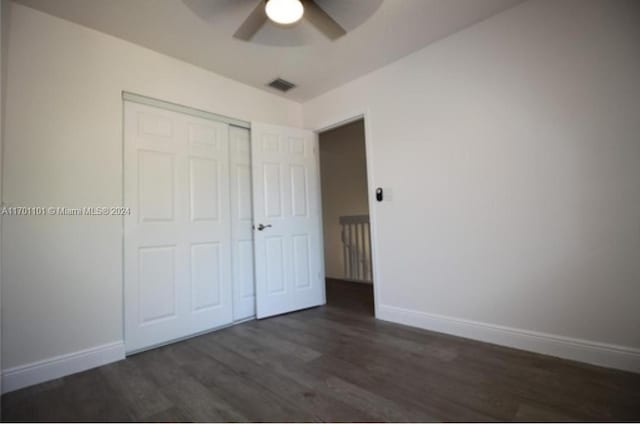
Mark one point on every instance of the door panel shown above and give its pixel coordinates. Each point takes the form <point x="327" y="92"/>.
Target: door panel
<point x="298" y="190"/>
<point x="301" y="256"/>
<point x="205" y="276"/>
<point x="274" y="266"/>
<point x="204" y="202"/>
<point x="157" y="283"/>
<point x="242" y="221"/>
<point x="156" y="186"/>
<point x="288" y="251"/>
<point x="177" y="239"/>
<point x="272" y="191"/>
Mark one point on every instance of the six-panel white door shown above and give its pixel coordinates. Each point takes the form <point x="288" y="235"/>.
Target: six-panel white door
<point x="287" y="219"/>
<point x="177" y="264"/>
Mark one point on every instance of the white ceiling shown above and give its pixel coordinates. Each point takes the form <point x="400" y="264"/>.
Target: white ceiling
<point x="393" y="30"/>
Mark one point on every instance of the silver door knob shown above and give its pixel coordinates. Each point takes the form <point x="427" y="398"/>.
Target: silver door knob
<point x="262" y="227"/>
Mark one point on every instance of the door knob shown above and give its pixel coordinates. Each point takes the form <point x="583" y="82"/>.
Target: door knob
<point x="262" y="227"/>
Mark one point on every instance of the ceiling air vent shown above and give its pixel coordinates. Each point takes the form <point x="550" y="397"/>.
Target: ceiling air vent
<point x="282" y="85"/>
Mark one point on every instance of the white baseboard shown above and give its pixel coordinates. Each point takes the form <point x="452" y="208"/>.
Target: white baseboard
<point x="59" y="366"/>
<point x="602" y="354"/>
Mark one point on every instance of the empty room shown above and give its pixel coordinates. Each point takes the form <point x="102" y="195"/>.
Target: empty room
<point x="320" y="210"/>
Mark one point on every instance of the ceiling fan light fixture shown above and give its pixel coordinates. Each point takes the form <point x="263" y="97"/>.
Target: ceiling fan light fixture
<point x="284" y="12"/>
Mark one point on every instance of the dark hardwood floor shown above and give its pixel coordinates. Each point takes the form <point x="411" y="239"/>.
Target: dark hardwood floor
<point x="354" y="297"/>
<point x="333" y="363"/>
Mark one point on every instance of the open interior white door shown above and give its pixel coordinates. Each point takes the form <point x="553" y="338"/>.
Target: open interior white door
<point x="287" y="219"/>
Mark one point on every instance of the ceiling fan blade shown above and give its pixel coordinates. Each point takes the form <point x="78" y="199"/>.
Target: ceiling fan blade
<point x="322" y="21"/>
<point x="252" y="24"/>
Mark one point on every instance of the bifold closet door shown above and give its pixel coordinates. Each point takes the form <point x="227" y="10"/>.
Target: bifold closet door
<point x="287" y="220"/>
<point x="177" y="241"/>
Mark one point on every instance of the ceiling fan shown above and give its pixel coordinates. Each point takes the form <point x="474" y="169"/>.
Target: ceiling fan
<point x="288" y="12"/>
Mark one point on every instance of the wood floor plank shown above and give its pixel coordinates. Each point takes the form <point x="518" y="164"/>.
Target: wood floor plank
<point x="333" y="363"/>
<point x="172" y="415"/>
<point x="239" y="391"/>
<point x="192" y="398"/>
<point x="85" y="396"/>
<point x="380" y="407"/>
<point x="447" y="384"/>
<point x="350" y="363"/>
<point x="286" y="377"/>
<point x="22" y="405"/>
<point x="140" y="394"/>
<point x="285" y="347"/>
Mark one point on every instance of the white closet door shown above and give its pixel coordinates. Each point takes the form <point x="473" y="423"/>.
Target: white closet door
<point x="244" y="300"/>
<point x="177" y="261"/>
<point x="286" y="204"/>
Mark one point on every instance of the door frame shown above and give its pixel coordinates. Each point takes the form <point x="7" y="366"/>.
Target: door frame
<point x="338" y="121"/>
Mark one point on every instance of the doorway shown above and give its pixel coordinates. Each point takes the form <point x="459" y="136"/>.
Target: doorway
<point x="346" y="218"/>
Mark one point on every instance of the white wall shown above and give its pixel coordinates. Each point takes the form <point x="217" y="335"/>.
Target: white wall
<point x="343" y="171"/>
<point x="3" y="74"/>
<point x="62" y="276"/>
<point x="513" y="152"/>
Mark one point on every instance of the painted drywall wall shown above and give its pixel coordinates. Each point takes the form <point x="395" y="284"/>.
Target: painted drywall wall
<point x="343" y="170"/>
<point x="3" y="74"/>
<point x="513" y="152"/>
<point x="62" y="276"/>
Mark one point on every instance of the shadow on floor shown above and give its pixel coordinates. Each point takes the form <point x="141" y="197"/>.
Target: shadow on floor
<point x="356" y="297"/>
